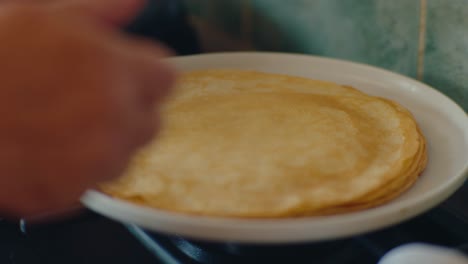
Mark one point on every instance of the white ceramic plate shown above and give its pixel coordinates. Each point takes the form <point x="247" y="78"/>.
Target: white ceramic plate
<point x="443" y="122"/>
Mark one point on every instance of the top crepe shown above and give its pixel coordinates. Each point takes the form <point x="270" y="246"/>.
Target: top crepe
<point x="250" y="144"/>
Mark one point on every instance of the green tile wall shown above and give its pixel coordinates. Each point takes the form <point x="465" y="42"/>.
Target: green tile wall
<point x="225" y="14"/>
<point x="377" y="32"/>
<point x="383" y="33"/>
<point x="446" y="60"/>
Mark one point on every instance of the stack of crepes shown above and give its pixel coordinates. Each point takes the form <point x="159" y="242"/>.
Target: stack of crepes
<point x="249" y="144"/>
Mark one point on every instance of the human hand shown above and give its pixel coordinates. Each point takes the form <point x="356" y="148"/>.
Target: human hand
<point x="76" y="100"/>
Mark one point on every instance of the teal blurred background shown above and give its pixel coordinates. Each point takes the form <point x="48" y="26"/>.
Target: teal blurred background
<point x="423" y="39"/>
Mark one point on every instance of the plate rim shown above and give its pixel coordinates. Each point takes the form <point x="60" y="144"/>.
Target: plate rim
<point x="345" y="62"/>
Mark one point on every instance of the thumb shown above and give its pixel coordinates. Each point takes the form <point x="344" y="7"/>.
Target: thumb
<point x="111" y="12"/>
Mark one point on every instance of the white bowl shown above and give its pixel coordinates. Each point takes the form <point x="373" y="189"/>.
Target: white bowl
<point x="444" y="124"/>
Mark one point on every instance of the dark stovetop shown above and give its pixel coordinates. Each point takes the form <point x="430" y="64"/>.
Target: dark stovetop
<point x="86" y="239"/>
<point x="92" y="239"/>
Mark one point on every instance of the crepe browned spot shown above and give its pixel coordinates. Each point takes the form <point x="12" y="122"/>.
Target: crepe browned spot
<point x="260" y="145"/>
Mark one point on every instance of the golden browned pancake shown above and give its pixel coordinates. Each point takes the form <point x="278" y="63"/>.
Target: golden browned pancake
<point x="250" y="144"/>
